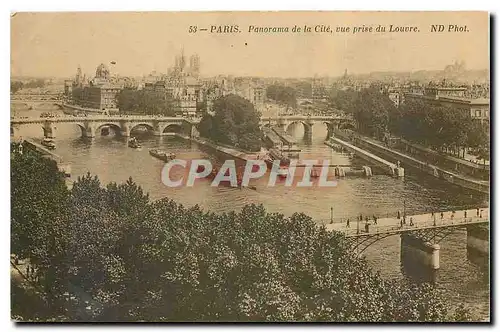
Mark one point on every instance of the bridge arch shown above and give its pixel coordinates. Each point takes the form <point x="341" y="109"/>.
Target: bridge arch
<point x="136" y="126"/>
<point x="307" y="127"/>
<point x="82" y="128"/>
<point x="173" y="128"/>
<point x="114" y="126"/>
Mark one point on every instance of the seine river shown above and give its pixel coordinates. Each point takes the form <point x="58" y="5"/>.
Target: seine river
<point x="463" y="278"/>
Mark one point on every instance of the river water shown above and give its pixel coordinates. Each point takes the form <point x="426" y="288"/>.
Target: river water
<point x="463" y="278"/>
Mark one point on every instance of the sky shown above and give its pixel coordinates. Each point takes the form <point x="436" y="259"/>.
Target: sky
<point x="54" y="44"/>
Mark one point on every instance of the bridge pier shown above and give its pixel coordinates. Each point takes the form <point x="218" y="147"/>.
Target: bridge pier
<point x="49" y="129"/>
<point x="308" y="132"/>
<point x="416" y="252"/>
<point x="88" y="131"/>
<point x="194" y="133"/>
<point x="478" y="240"/>
<point x="124" y="129"/>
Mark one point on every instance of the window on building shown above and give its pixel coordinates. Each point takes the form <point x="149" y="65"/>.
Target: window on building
<point x="478" y="113"/>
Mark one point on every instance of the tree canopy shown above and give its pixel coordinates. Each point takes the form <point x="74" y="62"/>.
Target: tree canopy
<point x="282" y="94"/>
<point x="16" y="86"/>
<point x="235" y="122"/>
<point x="123" y="257"/>
<point x="369" y="107"/>
<point x="144" y="102"/>
<point x="440" y="127"/>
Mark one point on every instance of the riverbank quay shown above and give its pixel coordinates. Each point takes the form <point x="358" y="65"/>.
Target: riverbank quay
<point x="63" y="166"/>
<point x="393" y="155"/>
<point x="228" y="151"/>
<point x="242" y="155"/>
<point x="481" y="171"/>
<point x="75" y="109"/>
<point x="386" y="166"/>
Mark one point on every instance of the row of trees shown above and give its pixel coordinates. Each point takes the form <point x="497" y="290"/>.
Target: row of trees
<point x="369" y="108"/>
<point x="133" y="259"/>
<point x="144" y="102"/>
<point x="18" y="85"/>
<point x="235" y="122"/>
<point x="282" y="94"/>
<point x="440" y="127"/>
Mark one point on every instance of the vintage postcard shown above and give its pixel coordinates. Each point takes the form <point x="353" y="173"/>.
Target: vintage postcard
<point x="250" y="167"/>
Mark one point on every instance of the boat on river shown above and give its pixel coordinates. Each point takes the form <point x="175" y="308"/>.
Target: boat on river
<point x="132" y="143"/>
<point x="49" y="143"/>
<point x="162" y="155"/>
<point x="275" y="154"/>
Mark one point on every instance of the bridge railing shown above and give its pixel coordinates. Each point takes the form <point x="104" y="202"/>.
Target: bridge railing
<point x="374" y="229"/>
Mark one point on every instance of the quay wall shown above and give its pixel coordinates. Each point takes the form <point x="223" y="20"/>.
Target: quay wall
<point x="393" y="155"/>
<point x="386" y="166"/>
<point x="463" y="166"/>
<point x="64" y="167"/>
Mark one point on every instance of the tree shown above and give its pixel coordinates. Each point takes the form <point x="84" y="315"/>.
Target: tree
<point x="235" y="122"/>
<point x="16" y="86"/>
<point x="144" y="102"/>
<point x="282" y="94"/>
<point x="439" y="127"/>
<point x="36" y="83"/>
<point x="39" y="207"/>
<point x="133" y="259"/>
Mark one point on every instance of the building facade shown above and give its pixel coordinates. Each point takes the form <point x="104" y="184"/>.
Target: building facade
<point x="100" y="93"/>
<point x="454" y="97"/>
<point x="181" y="85"/>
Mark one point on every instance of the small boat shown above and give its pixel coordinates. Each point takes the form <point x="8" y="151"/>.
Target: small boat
<point x="162" y="155"/>
<point x="132" y="143"/>
<point x="49" y="143"/>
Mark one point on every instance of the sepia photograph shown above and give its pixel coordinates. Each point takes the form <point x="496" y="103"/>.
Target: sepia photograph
<point x="245" y="166"/>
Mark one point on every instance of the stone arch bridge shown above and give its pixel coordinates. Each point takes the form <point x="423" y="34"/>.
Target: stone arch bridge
<point x="160" y="125"/>
<point x="34" y="104"/>
<point x="123" y="125"/>
<point x="331" y="121"/>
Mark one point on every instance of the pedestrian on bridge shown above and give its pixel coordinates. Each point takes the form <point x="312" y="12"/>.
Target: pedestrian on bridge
<point x="481" y="214"/>
<point x="374" y="220"/>
<point x="348" y="223"/>
<point x="399" y="215"/>
<point x="465" y="214"/>
<point x="411" y="221"/>
<point x="442" y="215"/>
<point x="477" y="212"/>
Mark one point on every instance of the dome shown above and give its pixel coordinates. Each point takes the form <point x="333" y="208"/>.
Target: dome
<point x="102" y="71"/>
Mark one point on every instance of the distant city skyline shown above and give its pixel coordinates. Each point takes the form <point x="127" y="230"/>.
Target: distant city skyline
<point x="54" y="44"/>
